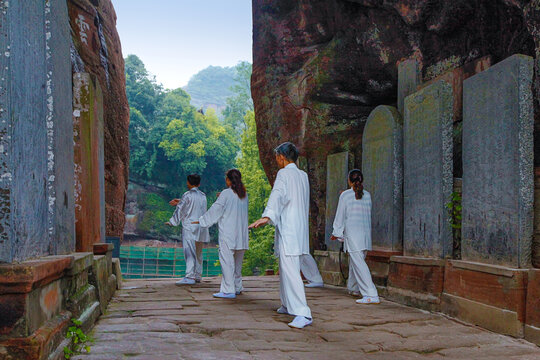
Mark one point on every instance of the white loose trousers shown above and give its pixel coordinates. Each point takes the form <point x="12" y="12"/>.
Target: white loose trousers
<point x="359" y="274"/>
<point x="291" y="286"/>
<point x="194" y="259"/>
<point x="309" y="269"/>
<point x="231" y="269"/>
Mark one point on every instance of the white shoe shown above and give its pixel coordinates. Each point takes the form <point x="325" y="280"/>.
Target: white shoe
<point x="369" y="300"/>
<point x="282" y="310"/>
<point x="224" y="295"/>
<point x="300" y="322"/>
<point x="354" y="293"/>
<point x="314" y="285"/>
<point x="185" y="281"/>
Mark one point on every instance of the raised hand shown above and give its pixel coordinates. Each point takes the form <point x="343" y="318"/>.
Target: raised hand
<point x="174" y="202"/>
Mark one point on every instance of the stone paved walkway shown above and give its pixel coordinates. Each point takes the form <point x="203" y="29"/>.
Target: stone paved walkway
<point x="154" y="319"/>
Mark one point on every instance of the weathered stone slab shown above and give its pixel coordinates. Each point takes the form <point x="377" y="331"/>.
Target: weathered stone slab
<point x="337" y="170"/>
<point x="409" y="78"/>
<point x="428" y="175"/>
<point x="36" y="207"/>
<point x="382" y="166"/>
<point x="498" y="181"/>
<point x="89" y="160"/>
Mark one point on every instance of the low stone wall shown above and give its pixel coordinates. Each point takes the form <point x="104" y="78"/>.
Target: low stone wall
<point x="39" y="298"/>
<point x="498" y="298"/>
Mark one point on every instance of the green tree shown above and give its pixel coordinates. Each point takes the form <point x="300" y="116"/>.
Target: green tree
<point x="241" y="102"/>
<point x="260" y="255"/>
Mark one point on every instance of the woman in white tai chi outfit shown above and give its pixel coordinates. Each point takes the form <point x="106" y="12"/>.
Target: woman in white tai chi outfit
<point x="352" y="225"/>
<point x="189" y="208"/>
<point x="230" y="211"/>
<point x="288" y="211"/>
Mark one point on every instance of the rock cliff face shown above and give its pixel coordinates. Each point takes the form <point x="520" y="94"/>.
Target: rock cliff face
<point x="321" y="66"/>
<point x="96" y="50"/>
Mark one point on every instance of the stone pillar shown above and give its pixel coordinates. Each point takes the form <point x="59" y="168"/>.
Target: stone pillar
<point x="498" y="180"/>
<point x="89" y="169"/>
<point x="337" y="171"/>
<point x="36" y="181"/>
<point x="428" y="175"/>
<point x="409" y="78"/>
<point x="382" y="166"/>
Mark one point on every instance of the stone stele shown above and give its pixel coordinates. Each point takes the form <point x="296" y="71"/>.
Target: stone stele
<point x="498" y="181"/>
<point x="336" y="182"/>
<point x="382" y="166"/>
<point x="428" y="178"/>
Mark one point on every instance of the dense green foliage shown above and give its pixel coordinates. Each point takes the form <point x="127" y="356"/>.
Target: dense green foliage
<point x="260" y="255"/>
<point x="169" y="139"/>
<point x="156" y="211"/>
<point x="211" y="86"/>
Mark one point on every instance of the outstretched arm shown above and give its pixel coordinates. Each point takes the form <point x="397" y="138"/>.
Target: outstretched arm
<point x="215" y="212"/>
<point x="276" y="202"/>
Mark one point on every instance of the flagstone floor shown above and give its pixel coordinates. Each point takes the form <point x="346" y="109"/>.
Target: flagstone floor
<point x="154" y="319"/>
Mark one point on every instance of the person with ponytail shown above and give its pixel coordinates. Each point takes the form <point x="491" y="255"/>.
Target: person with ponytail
<point x="230" y="212"/>
<point x="352" y="225"/>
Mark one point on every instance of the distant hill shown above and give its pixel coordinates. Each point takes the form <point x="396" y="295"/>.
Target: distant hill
<point x="211" y="87"/>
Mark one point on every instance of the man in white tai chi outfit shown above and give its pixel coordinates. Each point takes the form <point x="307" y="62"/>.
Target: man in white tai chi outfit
<point x="189" y="208"/>
<point x="288" y="211"/>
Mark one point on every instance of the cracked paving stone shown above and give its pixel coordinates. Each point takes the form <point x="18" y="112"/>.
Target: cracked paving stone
<point x="151" y="319"/>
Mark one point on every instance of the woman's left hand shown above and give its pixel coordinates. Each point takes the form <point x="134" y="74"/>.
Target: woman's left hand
<point x="195" y="222"/>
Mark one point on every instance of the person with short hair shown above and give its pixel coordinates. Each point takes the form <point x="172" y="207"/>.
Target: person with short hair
<point x="189" y="208"/>
<point x="230" y="212"/>
<point x="288" y="211"/>
<point x="352" y="225"/>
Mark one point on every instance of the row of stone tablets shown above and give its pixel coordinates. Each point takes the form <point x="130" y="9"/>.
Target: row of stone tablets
<point x="409" y="169"/>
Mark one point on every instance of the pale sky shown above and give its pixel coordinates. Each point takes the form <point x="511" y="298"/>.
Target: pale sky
<point x="178" y="38"/>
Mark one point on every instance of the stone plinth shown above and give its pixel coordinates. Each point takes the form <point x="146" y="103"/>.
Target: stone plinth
<point x="36" y="149"/>
<point x="337" y="170"/>
<point x="486" y="295"/>
<point x="89" y="168"/>
<point x="101" y="274"/>
<point x="427" y="149"/>
<point x="416" y="281"/>
<point x="33" y="317"/>
<point x="498" y="182"/>
<point x="378" y="262"/>
<point x="532" y="318"/>
<point x="382" y="166"/>
<point x="333" y="265"/>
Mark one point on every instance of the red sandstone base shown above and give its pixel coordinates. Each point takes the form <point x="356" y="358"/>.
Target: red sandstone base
<point x="416" y="281"/>
<point x="486" y="295"/>
<point x="532" y="318"/>
<point x="378" y="262"/>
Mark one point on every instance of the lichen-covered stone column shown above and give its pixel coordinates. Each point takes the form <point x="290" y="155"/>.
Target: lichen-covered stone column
<point x="36" y="147"/>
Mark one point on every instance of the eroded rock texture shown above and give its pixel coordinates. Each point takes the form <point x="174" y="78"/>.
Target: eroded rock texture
<point x="96" y="50"/>
<point x="321" y="66"/>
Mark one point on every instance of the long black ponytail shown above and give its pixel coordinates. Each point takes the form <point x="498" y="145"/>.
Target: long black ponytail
<point x="235" y="177"/>
<point x="357" y="179"/>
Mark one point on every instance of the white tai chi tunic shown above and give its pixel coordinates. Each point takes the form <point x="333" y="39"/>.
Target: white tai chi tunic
<point x="288" y="211"/>
<point x="352" y="225"/>
<point x="231" y="214"/>
<point x="191" y="206"/>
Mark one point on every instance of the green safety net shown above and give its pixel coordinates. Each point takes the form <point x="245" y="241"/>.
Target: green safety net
<point x="139" y="262"/>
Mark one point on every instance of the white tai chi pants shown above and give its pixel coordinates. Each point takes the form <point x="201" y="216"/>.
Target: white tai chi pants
<point x="231" y="269"/>
<point x="359" y="275"/>
<point x="309" y="268"/>
<point x="291" y="286"/>
<point x="194" y="259"/>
